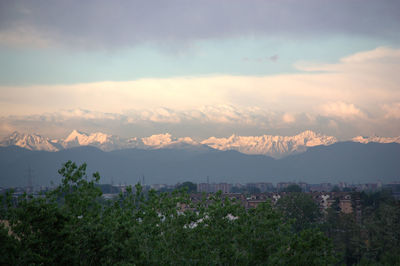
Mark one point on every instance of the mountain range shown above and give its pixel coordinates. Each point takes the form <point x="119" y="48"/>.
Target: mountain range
<point x="274" y="146"/>
<point x="308" y="157"/>
<point x="350" y="162"/>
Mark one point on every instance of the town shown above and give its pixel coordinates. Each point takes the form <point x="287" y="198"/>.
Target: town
<point x="252" y="194"/>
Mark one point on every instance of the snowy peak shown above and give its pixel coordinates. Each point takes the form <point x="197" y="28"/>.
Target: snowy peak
<point x="310" y="139"/>
<point x="85" y="139"/>
<point x="76" y="136"/>
<point x="275" y="146"/>
<point x="30" y="142"/>
<point x="166" y="140"/>
<point x="97" y="139"/>
<point x="362" y="139"/>
<point x="157" y="140"/>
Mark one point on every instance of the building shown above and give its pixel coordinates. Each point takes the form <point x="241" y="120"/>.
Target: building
<point x="262" y="186"/>
<point x="213" y="188"/>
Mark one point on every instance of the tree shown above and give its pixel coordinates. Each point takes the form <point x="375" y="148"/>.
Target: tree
<point x="335" y="189"/>
<point x="374" y="239"/>
<point x="189" y="186"/>
<point x="236" y="189"/>
<point x="73" y="225"/>
<point x="382" y="221"/>
<point x="292" y="188"/>
<point x="253" y="190"/>
<point x="300" y="207"/>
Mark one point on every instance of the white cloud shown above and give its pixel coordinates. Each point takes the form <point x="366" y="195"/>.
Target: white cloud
<point x="376" y="55"/>
<point x="81" y="114"/>
<point x="6" y="128"/>
<point x="288" y="118"/>
<point x="219" y="114"/>
<point x="333" y="124"/>
<point x="341" y="110"/>
<point x="157" y="140"/>
<point x="392" y="110"/>
<point x="362" y="87"/>
<point x="367" y="80"/>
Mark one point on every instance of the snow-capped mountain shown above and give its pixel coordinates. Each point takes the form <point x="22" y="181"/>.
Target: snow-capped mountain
<point x="167" y="141"/>
<point x="30" y="142"/>
<point x="109" y="142"/>
<point x="275" y="146"/>
<point x="377" y="139"/>
<point x="101" y="140"/>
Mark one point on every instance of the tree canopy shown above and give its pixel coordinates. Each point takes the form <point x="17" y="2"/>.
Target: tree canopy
<point x="72" y="224"/>
<point x="292" y="188"/>
<point x="189" y="186"/>
<point x="301" y="208"/>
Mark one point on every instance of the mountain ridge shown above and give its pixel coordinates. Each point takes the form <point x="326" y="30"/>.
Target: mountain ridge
<point x="271" y="145"/>
<point x="340" y="162"/>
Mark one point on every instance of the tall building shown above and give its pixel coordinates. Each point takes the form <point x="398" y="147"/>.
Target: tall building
<point x="203" y="187"/>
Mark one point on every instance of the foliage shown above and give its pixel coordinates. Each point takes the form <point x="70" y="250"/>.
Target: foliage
<point x="73" y="225"/>
<point x="372" y="240"/>
<point x="292" y="188"/>
<point x="252" y="190"/>
<point x="301" y="208"/>
<point x="189" y="186"/>
<point x="381" y="220"/>
<point x="246" y="189"/>
<point x="236" y="189"/>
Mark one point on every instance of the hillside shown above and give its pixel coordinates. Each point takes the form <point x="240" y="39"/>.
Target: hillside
<point x="346" y="161"/>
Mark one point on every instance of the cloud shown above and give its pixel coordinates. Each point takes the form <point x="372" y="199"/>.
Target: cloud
<point x="288" y="118"/>
<point x="341" y="110"/>
<point x="367" y="84"/>
<point x="333" y="124"/>
<point x="81" y="114"/>
<point x="216" y="114"/>
<point x="119" y="23"/>
<point x="377" y="55"/>
<point x="274" y="58"/>
<point x="392" y="111"/>
<point x="224" y="117"/>
<point x="343" y="120"/>
<point x="25" y="36"/>
<point x="360" y="93"/>
<point x="381" y="59"/>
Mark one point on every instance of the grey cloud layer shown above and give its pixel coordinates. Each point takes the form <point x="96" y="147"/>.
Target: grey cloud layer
<point x="125" y="23"/>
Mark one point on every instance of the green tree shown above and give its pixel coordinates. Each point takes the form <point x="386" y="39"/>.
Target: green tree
<point x="189" y="186"/>
<point x="73" y="225"/>
<point x="292" y="188"/>
<point x="253" y="190"/>
<point x="381" y="219"/>
<point x="301" y="208"/>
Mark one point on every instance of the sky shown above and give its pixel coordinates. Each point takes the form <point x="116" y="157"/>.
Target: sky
<point x="200" y="68"/>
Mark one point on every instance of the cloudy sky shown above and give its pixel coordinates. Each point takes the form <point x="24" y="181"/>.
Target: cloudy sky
<point x="200" y="68"/>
